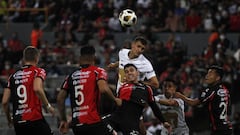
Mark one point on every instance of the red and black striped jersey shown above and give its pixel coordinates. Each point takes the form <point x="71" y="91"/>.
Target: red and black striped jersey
<point x="137" y="93"/>
<point x="82" y="87"/>
<point x="26" y="104"/>
<point x="218" y="100"/>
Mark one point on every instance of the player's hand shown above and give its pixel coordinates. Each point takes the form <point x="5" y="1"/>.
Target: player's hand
<point x="10" y="123"/>
<point x="118" y="101"/>
<point x="111" y="65"/>
<point x="168" y="126"/>
<point x="51" y="109"/>
<point x="177" y="95"/>
<point x="63" y="127"/>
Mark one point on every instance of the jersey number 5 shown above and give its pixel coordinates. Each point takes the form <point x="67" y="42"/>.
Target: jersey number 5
<point x="79" y="97"/>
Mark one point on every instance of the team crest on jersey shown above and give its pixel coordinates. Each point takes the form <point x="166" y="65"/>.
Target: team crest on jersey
<point x="134" y="132"/>
<point x="221" y="92"/>
<point x="203" y="94"/>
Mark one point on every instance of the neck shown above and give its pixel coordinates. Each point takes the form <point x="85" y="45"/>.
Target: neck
<point x="214" y="84"/>
<point x="86" y="63"/>
<point x="30" y="63"/>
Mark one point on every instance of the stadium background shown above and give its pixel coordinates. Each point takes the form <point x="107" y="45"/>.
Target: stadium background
<point x="181" y="49"/>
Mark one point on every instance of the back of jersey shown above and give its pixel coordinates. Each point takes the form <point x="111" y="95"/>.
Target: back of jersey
<point x="26" y="104"/>
<point x="84" y="94"/>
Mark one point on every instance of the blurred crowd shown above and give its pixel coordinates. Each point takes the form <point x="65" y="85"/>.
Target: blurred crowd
<point x="98" y="20"/>
<point x="102" y="15"/>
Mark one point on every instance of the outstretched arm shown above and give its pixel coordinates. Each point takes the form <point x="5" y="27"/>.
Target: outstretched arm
<point x="113" y="65"/>
<point x="189" y="101"/>
<point x="168" y="102"/>
<point x="153" y="82"/>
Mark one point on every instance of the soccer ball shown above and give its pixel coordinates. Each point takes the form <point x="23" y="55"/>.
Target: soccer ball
<point x="127" y="18"/>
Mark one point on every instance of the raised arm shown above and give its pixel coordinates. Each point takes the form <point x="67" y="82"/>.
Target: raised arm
<point x="153" y="82"/>
<point x="189" y="101"/>
<point x="113" y="65"/>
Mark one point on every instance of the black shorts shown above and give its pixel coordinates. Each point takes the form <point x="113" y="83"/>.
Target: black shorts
<point x="99" y="128"/>
<point x="222" y="132"/>
<point x="38" y="127"/>
<point x="124" y="126"/>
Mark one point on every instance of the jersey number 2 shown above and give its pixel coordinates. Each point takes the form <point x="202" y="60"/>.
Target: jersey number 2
<point x="223" y="114"/>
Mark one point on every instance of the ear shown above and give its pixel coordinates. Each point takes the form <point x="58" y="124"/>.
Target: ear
<point x="132" y="44"/>
<point x="218" y="78"/>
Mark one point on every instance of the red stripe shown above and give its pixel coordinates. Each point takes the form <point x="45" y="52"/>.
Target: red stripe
<point x="211" y="115"/>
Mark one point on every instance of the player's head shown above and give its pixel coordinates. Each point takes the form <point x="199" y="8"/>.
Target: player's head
<point x="138" y="46"/>
<point x="169" y="87"/>
<point x="214" y="74"/>
<point x="31" y="54"/>
<point x="87" y="54"/>
<point x="131" y="73"/>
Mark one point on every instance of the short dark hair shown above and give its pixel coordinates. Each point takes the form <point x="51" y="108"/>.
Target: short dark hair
<point x="30" y="53"/>
<point x="87" y="50"/>
<point x="140" y="39"/>
<point x="130" y="65"/>
<point x="171" y="80"/>
<point x="175" y="83"/>
<point x="218" y="69"/>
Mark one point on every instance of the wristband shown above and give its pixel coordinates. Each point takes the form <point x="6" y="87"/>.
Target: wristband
<point x="49" y="106"/>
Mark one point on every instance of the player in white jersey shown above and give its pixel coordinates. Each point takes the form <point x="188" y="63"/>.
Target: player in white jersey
<point x="135" y="56"/>
<point x="173" y="108"/>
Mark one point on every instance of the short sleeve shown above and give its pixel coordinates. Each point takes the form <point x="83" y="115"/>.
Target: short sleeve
<point x="41" y="73"/>
<point x="101" y="74"/>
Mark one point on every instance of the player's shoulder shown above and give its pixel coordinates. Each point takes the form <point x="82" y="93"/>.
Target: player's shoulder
<point x="97" y="68"/>
<point x="124" y="51"/>
<point x="39" y="70"/>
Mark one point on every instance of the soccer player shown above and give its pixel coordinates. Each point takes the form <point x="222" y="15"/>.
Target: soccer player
<point x="25" y="87"/>
<point x="134" y="55"/>
<point x="173" y="108"/>
<point x="135" y="97"/>
<point x="84" y="86"/>
<point x="216" y="96"/>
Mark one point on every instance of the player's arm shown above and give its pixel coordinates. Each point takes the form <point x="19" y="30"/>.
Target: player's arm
<point x="38" y="89"/>
<point x="113" y="65"/>
<point x="5" y="104"/>
<point x="61" y="97"/>
<point x="153" y="82"/>
<point x="159" y="115"/>
<point x="104" y="88"/>
<point x="157" y="112"/>
<point x="189" y="101"/>
<point x="168" y="102"/>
